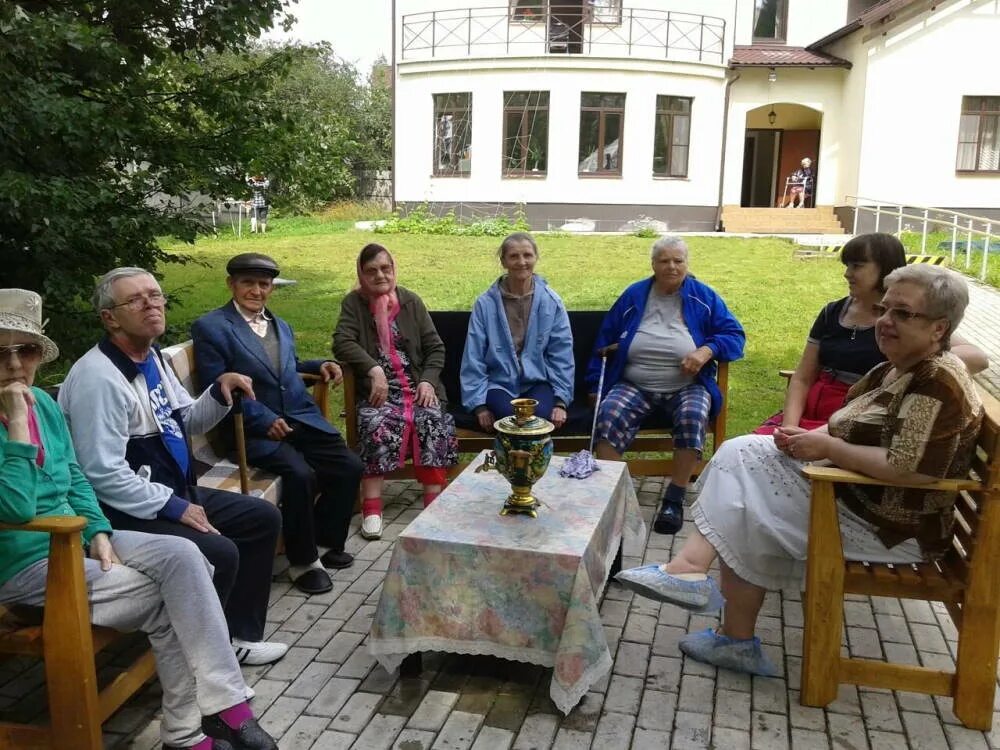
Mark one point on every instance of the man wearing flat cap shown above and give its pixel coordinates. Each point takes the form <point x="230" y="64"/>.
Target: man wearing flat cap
<point x="286" y="432"/>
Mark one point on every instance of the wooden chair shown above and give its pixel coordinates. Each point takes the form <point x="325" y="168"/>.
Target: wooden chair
<point x="966" y="580"/>
<point x="67" y="642"/>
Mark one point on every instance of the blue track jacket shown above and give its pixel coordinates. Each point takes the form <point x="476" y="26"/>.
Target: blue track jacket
<point x="707" y="318"/>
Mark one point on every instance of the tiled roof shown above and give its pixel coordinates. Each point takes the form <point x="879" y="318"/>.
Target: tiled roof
<point x="774" y="56"/>
<point x="876" y="14"/>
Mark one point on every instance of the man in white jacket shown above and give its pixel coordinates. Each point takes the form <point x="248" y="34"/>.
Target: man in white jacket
<point x="129" y="417"/>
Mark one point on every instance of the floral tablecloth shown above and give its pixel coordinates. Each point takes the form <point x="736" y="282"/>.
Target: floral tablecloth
<point x="464" y="579"/>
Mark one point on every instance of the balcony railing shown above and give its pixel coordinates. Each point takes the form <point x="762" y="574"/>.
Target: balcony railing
<point x="563" y="31"/>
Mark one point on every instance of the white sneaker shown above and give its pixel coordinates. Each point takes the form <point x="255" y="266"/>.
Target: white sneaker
<point x="254" y="653"/>
<point x="251" y="693"/>
<point x="371" y="526"/>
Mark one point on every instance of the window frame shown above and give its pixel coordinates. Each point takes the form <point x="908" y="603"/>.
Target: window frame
<point x="603" y="111"/>
<point x="524" y="172"/>
<point x="780" y="22"/>
<point x="982" y="113"/>
<point x="438" y="113"/>
<point x="668" y="143"/>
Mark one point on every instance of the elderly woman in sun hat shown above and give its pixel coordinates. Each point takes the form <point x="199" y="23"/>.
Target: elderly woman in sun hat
<point x="386" y="335"/>
<point x="161" y="585"/>
<point x="912" y="419"/>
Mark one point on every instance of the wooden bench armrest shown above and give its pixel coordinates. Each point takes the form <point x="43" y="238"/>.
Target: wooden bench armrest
<point x="819" y="473"/>
<point x="787" y="374"/>
<point x="320" y="391"/>
<point x="49" y="525"/>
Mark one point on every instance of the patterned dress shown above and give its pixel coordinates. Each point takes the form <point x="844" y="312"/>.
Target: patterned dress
<point x="387" y="437"/>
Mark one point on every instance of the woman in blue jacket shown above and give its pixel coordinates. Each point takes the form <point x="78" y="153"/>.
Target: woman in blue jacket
<point x="668" y="329"/>
<point x="519" y="342"/>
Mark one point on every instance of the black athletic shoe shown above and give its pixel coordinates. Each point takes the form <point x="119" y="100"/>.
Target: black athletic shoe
<point x="249" y="735"/>
<point x="670" y="518"/>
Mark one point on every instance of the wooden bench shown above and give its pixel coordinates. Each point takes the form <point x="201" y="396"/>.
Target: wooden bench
<point x="966" y="580"/>
<point x="654" y="437"/>
<point x="67" y="642"/>
<point x="211" y="452"/>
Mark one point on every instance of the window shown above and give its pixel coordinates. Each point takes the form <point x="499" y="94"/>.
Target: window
<point x="525" y="132"/>
<point x="527" y="10"/>
<point x="770" y="18"/>
<point x="979" y="135"/>
<point x="601" y="121"/>
<point x="672" y="136"/>
<point x="594" y="11"/>
<point x="452" y="135"/>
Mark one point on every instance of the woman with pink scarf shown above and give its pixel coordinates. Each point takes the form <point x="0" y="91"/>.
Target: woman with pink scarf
<point x="386" y="336"/>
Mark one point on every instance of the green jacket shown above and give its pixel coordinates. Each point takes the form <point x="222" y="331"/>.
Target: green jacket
<point x="355" y="341"/>
<point x="58" y="488"/>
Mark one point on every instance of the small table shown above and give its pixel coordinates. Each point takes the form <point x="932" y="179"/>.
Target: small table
<point x="464" y="579"/>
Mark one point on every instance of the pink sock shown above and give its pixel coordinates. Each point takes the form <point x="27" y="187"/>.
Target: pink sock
<point x="205" y="744"/>
<point x="371" y="506"/>
<point x="236" y="715"/>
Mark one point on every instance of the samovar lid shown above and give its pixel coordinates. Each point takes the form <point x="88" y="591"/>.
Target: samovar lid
<point x="532" y="427"/>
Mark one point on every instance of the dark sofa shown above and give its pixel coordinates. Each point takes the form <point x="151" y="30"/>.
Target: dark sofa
<point x="452" y="326"/>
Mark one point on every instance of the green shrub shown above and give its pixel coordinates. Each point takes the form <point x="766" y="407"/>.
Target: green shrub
<point x="421" y="220"/>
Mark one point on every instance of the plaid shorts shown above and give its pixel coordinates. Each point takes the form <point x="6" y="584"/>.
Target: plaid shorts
<point x="623" y="409"/>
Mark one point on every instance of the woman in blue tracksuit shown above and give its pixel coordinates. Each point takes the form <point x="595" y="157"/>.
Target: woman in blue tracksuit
<point x="519" y="342"/>
<point x="668" y="329"/>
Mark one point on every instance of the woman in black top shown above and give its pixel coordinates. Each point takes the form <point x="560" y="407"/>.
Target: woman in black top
<point x="841" y="344"/>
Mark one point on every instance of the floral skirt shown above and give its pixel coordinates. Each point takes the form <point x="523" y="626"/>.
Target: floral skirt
<point x="381" y="433"/>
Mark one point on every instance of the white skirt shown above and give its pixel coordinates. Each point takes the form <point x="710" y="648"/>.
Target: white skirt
<point x="753" y="507"/>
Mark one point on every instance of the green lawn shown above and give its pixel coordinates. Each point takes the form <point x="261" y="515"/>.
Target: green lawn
<point x="775" y="296"/>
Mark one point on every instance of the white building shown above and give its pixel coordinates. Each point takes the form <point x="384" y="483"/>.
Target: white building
<point x="677" y="109"/>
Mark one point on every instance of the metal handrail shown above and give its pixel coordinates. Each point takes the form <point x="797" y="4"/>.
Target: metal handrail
<point x="465" y="31"/>
<point x="897" y="211"/>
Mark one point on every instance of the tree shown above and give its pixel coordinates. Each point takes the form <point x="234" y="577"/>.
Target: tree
<point x="110" y="118"/>
<point x="319" y="126"/>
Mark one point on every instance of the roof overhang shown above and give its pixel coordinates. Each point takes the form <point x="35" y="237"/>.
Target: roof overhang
<point x="781" y="56"/>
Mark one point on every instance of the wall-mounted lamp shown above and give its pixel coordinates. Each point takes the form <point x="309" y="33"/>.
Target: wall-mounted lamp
<point x="772" y="116"/>
<point x="772" y="76"/>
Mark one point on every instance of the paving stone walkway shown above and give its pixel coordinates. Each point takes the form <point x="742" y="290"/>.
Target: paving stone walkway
<point x="328" y="693"/>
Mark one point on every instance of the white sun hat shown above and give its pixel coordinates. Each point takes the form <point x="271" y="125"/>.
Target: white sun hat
<point x="21" y="312"/>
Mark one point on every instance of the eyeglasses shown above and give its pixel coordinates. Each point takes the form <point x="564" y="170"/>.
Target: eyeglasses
<point x="23" y="351"/>
<point x="139" y="301"/>
<point x="898" y="314"/>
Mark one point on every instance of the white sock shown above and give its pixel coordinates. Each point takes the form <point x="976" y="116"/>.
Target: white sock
<point x="294" y="571"/>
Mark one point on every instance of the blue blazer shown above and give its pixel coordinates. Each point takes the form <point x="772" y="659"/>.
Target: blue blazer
<point x="223" y="342"/>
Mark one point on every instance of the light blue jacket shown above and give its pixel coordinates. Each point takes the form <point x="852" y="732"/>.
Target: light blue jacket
<point x="490" y="361"/>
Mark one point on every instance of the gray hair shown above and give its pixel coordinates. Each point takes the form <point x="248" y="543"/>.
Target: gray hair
<point x="666" y="242"/>
<point x="103" y="299"/>
<point x="946" y="295"/>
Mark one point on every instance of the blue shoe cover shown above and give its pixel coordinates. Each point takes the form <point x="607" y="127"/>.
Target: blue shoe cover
<point x="738" y="655"/>
<point x="653" y="583"/>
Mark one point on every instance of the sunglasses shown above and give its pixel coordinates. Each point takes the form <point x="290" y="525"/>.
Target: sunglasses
<point x="23" y="351"/>
<point x="898" y="314"/>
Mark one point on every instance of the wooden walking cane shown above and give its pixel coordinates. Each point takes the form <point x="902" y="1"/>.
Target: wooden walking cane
<point x="241" y="441"/>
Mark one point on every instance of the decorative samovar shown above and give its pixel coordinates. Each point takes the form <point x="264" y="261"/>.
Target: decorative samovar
<point x="521" y="452"/>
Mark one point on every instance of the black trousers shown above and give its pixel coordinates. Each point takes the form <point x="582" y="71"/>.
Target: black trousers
<point x="242" y="552"/>
<point x="311" y="462"/>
